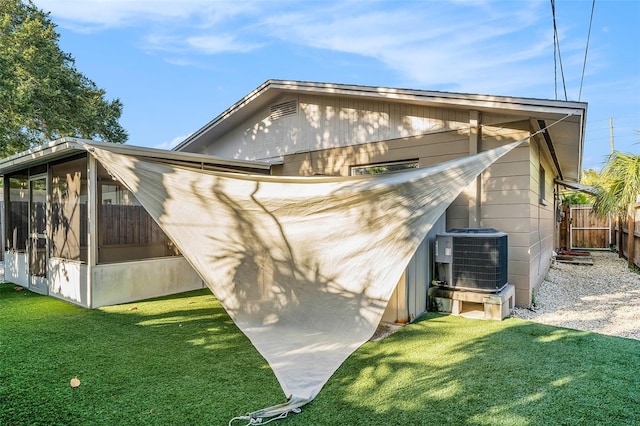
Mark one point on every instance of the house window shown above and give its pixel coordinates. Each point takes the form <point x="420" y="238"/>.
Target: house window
<point x="541" y="186"/>
<point x="376" y="169"/>
<point x="125" y="230"/>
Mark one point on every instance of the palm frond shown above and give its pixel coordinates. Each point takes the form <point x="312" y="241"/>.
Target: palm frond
<point x="619" y="187"/>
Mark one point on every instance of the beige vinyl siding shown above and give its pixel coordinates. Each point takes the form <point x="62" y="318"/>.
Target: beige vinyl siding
<point x="516" y="186"/>
<point x="507" y="169"/>
<point x="505" y="211"/>
<point x="429" y="149"/>
<point x="509" y="225"/>
<point x="520" y="268"/>
<point x="325" y="122"/>
<point x="505" y="200"/>
<point x="328" y="135"/>
<point x="506" y="195"/>
<point x="542" y="216"/>
<point x="499" y="120"/>
<point x="458" y="213"/>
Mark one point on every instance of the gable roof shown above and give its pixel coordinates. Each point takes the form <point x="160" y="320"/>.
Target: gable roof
<point x="565" y="140"/>
<point x="67" y="146"/>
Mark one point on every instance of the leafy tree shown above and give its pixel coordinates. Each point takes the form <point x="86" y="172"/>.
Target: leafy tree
<point x="574" y="197"/>
<point x="42" y="95"/>
<point x="590" y="177"/>
<point x="618" y="192"/>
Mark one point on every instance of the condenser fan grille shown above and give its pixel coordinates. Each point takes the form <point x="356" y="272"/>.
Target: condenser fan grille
<point x="472" y="259"/>
<point x="479" y="262"/>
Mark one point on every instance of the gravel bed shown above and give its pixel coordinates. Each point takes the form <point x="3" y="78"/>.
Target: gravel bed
<point x="603" y="297"/>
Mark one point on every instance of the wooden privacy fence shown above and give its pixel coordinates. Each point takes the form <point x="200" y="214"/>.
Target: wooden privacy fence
<point x="623" y="237"/>
<point x="123" y="224"/>
<point x="580" y="229"/>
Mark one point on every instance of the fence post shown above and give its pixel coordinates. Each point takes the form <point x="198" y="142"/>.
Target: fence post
<point x="620" y="237"/>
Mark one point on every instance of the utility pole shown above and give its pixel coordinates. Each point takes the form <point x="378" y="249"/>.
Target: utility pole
<point x="619" y="218"/>
<point x="611" y="133"/>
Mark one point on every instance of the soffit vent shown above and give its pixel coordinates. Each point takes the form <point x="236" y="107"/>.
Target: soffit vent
<point x="283" y="109"/>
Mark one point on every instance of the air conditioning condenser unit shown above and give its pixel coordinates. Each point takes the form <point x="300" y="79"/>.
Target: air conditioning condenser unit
<point x="471" y="259"/>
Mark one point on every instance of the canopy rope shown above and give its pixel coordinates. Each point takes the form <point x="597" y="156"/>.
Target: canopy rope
<point x="276" y="412"/>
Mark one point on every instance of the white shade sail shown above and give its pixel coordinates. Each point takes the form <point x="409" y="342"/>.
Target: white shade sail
<point x="304" y="266"/>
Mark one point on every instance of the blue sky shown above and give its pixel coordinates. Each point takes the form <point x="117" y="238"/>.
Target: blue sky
<point x="176" y="64"/>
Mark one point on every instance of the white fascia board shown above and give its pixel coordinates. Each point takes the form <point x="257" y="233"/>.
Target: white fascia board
<point x="224" y="115"/>
<point x="162" y="154"/>
<point x="527" y="107"/>
<point x="464" y="100"/>
<point x="64" y="146"/>
<point x="45" y="152"/>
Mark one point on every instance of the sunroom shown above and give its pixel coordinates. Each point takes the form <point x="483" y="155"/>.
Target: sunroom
<point x="71" y="231"/>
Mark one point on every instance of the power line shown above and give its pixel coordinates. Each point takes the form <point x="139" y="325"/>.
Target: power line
<point x="556" y="44"/>
<point x="555" y="61"/>
<point x="555" y="54"/>
<point x="586" y="49"/>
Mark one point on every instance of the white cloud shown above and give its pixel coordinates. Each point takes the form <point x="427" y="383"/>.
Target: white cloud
<point x="202" y="44"/>
<point x="482" y="47"/>
<point x="172" y="143"/>
<point x="188" y="26"/>
<point x="434" y="44"/>
<point x="181" y="62"/>
<point x="101" y="14"/>
<point x="212" y="44"/>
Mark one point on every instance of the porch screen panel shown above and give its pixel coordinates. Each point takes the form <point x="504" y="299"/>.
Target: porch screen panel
<point x="304" y="266"/>
<point x="17" y="231"/>
<point x="126" y="230"/>
<point x="69" y="210"/>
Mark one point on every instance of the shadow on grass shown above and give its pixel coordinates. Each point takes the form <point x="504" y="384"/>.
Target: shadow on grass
<point x="180" y="360"/>
<point x="177" y="360"/>
<point x="449" y="370"/>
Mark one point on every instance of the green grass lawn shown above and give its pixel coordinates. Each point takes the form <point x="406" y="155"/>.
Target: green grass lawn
<point x="181" y="361"/>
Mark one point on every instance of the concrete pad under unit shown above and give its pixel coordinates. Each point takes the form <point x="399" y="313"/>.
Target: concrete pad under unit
<point x="493" y="306"/>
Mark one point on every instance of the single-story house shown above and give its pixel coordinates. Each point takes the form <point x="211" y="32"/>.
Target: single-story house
<point x="73" y="232"/>
<point x="307" y="128"/>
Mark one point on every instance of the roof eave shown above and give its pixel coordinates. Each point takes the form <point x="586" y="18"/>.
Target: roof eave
<point x="46" y="152"/>
<point x="540" y="108"/>
<point x="66" y="146"/>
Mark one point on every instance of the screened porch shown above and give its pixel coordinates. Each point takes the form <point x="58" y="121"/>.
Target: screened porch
<point x="71" y="231"/>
